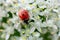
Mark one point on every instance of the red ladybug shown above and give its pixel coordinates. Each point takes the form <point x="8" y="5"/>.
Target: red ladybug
<point x="23" y="14"/>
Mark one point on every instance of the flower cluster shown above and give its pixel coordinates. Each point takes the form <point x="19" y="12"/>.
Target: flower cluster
<point x="43" y="23"/>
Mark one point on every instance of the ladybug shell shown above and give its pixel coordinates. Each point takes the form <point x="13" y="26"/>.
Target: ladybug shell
<point x="23" y="14"/>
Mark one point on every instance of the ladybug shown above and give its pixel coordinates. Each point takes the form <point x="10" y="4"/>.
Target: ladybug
<point x="23" y="15"/>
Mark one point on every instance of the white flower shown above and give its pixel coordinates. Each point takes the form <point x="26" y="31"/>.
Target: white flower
<point x="55" y="37"/>
<point x="55" y="10"/>
<point x="58" y="23"/>
<point x="2" y="13"/>
<point x="23" y="38"/>
<point x="59" y="16"/>
<point x="9" y="30"/>
<point x="52" y="13"/>
<point x="50" y="23"/>
<point x="7" y="36"/>
<point x="40" y="38"/>
<point x="29" y="1"/>
<point x="32" y="29"/>
<point x="36" y="34"/>
<point x="30" y="38"/>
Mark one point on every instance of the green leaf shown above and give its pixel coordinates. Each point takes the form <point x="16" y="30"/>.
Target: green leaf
<point x="30" y="3"/>
<point x="15" y="13"/>
<point x="31" y="20"/>
<point x="45" y="0"/>
<point x="46" y="36"/>
<point x="22" y="26"/>
<point x="36" y="30"/>
<point x="1" y="4"/>
<point x="43" y="18"/>
<point x="10" y="14"/>
<point x="4" y="19"/>
<point x="42" y="9"/>
<point x="16" y="33"/>
<point x="37" y="6"/>
<point x="1" y="27"/>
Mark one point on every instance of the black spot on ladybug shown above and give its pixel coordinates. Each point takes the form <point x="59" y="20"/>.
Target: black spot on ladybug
<point x="23" y="18"/>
